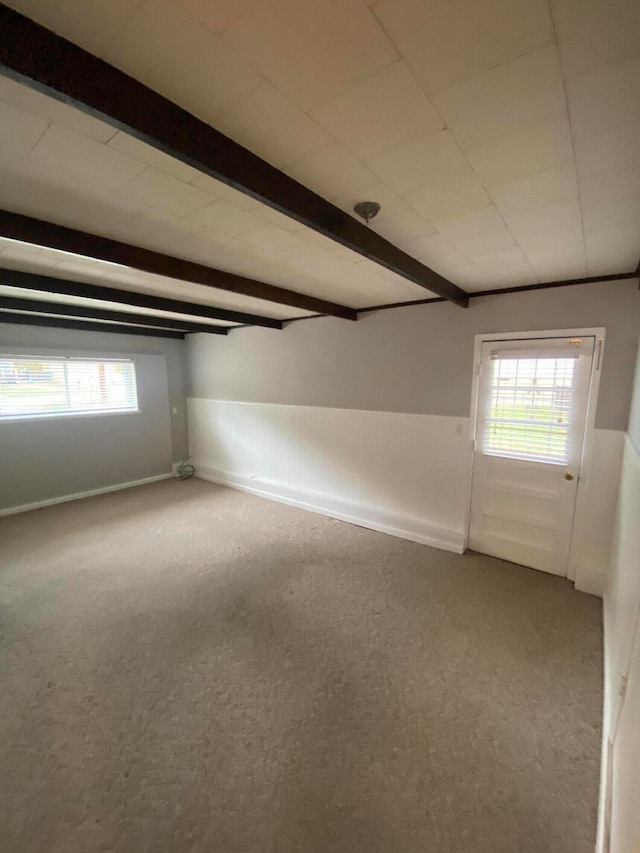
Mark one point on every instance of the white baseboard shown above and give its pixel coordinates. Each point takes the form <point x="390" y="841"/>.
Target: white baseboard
<point x="403" y="528"/>
<point x="79" y="495"/>
<point x="588" y="582"/>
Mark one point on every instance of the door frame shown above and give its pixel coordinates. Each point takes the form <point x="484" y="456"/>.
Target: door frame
<point x="599" y="333"/>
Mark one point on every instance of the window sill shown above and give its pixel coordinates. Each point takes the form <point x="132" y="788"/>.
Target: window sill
<point x="43" y="416"/>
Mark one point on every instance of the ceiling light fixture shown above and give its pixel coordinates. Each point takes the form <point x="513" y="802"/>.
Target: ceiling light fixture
<point x="367" y="209"/>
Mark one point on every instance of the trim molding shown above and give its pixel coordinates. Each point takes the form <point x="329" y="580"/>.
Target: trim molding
<point x="13" y="510"/>
<point x="503" y="291"/>
<point x="394" y="525"/>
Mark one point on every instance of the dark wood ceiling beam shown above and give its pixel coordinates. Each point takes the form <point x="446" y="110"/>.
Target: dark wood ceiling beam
<point x="85" y="325"/>
<point x="39" y="58"/>
<point x="38" y="232"/>
<point x="47" y="284"/>
<point x="38" y="306"/>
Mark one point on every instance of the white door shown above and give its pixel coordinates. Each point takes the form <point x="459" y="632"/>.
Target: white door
<point x="532" y="405"/>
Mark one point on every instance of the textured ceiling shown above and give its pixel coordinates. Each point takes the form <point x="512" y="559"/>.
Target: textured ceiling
<point x="502" y="138"/>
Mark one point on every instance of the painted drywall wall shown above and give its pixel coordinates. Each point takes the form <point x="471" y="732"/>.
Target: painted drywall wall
<point x="369" y="421"/>
<point x="414" y="360"/>
<point x="619" y="816"/>
<point x="46" y="458"/>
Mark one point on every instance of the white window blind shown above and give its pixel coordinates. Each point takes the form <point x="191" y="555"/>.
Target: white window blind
<point x="62" y="386"/>
<point x="530" y="406"/>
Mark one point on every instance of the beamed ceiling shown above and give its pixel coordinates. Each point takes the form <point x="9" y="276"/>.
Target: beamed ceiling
<point x="203" y="174"/>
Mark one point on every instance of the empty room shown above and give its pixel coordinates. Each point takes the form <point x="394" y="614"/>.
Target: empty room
<point x="319" y="426"/>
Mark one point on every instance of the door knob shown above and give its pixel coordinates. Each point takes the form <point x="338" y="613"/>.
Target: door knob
<point x="569" y="476"/>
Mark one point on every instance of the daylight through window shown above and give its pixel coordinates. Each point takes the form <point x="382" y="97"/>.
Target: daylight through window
<point x="64" y="386"/>
<point x="530" y="407"/>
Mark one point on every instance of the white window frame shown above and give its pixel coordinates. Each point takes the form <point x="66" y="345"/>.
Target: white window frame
<point x="567" y="352"/>
<point x="74" y="413"/>
<point x="600" y="334"/>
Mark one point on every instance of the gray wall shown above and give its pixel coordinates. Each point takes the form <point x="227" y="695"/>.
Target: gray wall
<point x="52" y="457"/>
<point x="416" y="359"/>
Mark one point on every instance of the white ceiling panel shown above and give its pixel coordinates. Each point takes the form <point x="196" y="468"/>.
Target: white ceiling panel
<point x="439" y="254"/>
<point x="226" y="219"/>
<point x="397" y="221"/>
<point x="608" y="217"/>
<point x="70" y="18"/>
<point x="160" y="39"/>
<point x="605" y="100"/>
<point x="555" y="263"/>
<point x="354" y="285"/>
<point x="274" y="243"/>
<point x="74" y="157"/>
<point x="610" y="187"/>
<point x="274" y="217"/>
<point x="315" y="238"/>
<point x="448" y="41"/>
<point x="332" y="171"/>
<point x="220" y="15"/>
<point x="518" y="155"/>
<point x="421" y="163"/>
<point x="513" y="97"/>
<point x="550" y="224"/>
<point x="215" y="189"/>
<point x="19" y="131"/>
<point x="455" y="196"/>
<point x="387" y="110"/>
<point x="157" y="189"/>
<point x="313" y="49"/>
<point x="26" y="190"/>
<point x="434" y="250"/>
<point x="613" y="251"/>
<point x="478" y="231"/>
<point x="595" y="33"/>
<point x="550" y="187"/>
<point x="270" y="125"/>
<point x="144" y="153"/>
<point x="610" y="151"/>
<point x="151" y="228"/>
<point x="505" y="267"/>
<point x="49" y="110"/>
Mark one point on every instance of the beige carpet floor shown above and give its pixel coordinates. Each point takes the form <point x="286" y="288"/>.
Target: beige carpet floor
<point x="189" y="668"/>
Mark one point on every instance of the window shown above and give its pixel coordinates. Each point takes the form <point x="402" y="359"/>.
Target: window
<point x="31" y="386"/>
<point x="530" y="407"/>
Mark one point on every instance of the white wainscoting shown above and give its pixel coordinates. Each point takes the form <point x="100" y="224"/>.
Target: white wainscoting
<point x="403" y="474"/>
<point x="620" y="778"/>
<point x="596" y="512"/>
<point x="622" y="595"/>
<point x="407" y="475"/>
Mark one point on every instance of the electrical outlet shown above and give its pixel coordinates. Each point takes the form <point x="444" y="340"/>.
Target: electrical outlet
<point x="174" y="410"/>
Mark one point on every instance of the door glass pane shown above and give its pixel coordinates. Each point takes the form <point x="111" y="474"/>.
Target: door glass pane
<point x="530" y="407"/>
